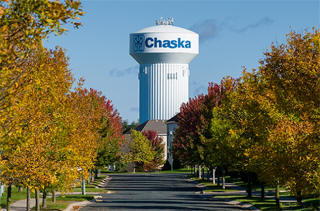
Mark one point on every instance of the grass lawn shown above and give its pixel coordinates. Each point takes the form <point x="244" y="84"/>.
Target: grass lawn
<point x="105" y="171"/>
<point x="267" y="204"/>
<point x="212" y="187"/>
<point x="270" y="204"/>
<point x="64" y="201"/>
<point x="90" y="189"/>
<point x="311" y="203"/>
<point x="175" y="171"/>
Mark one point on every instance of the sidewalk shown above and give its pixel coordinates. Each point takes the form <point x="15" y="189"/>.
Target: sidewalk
<point x="22" y="204"/>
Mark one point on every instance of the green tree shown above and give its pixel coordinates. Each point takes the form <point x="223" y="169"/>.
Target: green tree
<point x="111" y="138"/>
<point x="127" y="127"/>
<point x="219" y="149"/>
<point x="157" y="146"/>
<point x="139" y="149"/>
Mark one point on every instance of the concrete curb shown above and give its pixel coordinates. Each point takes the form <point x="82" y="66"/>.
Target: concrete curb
<point x="104" y="182"/>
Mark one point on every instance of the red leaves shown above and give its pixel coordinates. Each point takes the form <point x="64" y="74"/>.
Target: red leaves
<point x="194" y="117"/>
<point x="158" y="147"/>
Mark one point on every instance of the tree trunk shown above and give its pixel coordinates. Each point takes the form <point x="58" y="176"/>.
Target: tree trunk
<point x="208" y="174"/>
<point x="218" y="181"/>
<point x="37" y="200"/>
<point x="19" y="189"/>
<point x="89" y="179"/>
<point x="299" y="197"/>
<point x="44" y="198"/>
<point x="202" y="172"/>
<point x="278" y="197"/>
<point x="9" y="190"/>
<point x="262" y="191"/>
<point x="28" y="199"/>
<point x="97" y="173"/>
<point x="83" y="186"/>
<point x="200" y="176"/>
<point x="249" y="187"/>
<point x="0" y="191"/>
<point x="223" y="179"/>
<point x="54" y="198"/>
<point x="134" y="167"/>
<point x="214" y="175"/>
<point x="93" y="175"/>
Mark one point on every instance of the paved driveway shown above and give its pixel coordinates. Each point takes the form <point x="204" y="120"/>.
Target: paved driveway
<point x="155" y="192"/>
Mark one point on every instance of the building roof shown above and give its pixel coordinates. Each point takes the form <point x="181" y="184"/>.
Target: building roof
<point x="174" y="119"/>
<point x="155" y="125"/>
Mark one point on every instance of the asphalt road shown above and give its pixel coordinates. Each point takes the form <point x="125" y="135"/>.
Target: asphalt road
<point x="155" y="192"/>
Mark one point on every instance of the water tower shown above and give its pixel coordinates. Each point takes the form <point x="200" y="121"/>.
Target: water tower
<point x="164" y="52"/>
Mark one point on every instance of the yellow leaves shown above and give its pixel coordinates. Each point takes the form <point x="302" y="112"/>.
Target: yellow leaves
<point x="275" y="110"/>
<point x="247" y="154"/>
<point x="39" y="116"/>
<point x="140" y="149"/>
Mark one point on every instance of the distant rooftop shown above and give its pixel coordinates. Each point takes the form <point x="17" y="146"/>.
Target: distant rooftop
<point x="155" y="125"/>
<point x="173" y="119"/>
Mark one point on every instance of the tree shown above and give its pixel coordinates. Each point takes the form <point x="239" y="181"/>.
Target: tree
<point x="23" y="25"/>
<point x="89" y="110"/>
<point x="158" y="149"/>
<point x="33" y="138"/>
<point x="111" y="137"/>
<point x="139" y="150"/>
<point x="188" y="125"/>
<point x="193" y="120"/>
<point x="290" y="76"/>
<point x="127" y="127"/>
<point x="214" y="147"/>
<point x="276" y="113"/>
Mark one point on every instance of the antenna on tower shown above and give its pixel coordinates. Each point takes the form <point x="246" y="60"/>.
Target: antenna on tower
<point x="162" y="21"/>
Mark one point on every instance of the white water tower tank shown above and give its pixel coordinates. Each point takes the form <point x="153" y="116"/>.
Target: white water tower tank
<point x="164" y="52"/>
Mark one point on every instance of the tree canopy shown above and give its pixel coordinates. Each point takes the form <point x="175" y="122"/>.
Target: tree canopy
<point x="266" y="122"/>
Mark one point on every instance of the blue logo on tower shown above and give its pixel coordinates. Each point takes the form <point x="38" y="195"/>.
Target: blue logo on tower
<point x="138" y="42"/>
<point x="158" y="43"/>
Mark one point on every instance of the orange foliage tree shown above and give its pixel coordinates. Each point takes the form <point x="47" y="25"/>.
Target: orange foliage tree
<point x="276" y="113"/>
